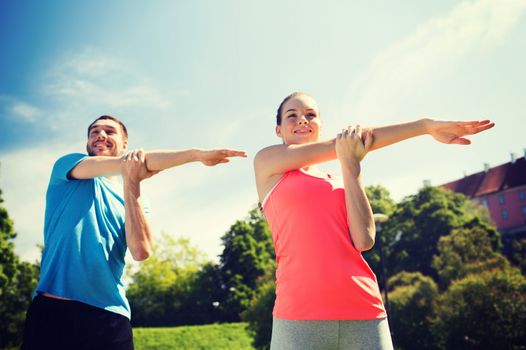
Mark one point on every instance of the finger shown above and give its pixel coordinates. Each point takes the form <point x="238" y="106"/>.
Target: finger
<point x="234" y="153"/>
<point x="369" y="137"/>
<point x="484" y="127"/>
<point x="460" y="141"/>
<point x="348" y="131"/>
<point x="141" y="155"/>
<point x="358" y="131"/>
<point x="137" y="155"/>
<point x="352" y="132"/>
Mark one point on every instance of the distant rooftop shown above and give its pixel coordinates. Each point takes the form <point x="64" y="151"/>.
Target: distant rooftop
<point x="496" y="179"/>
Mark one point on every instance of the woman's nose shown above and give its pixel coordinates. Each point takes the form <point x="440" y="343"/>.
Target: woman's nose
<point x="302" y="120"/>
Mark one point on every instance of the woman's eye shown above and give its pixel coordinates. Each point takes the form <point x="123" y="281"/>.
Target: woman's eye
<point x="292" y="116"/>
<point x="311" y="116"/>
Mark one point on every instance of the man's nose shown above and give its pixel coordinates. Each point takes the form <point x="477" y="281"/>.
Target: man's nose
<point x="102" y="135"/>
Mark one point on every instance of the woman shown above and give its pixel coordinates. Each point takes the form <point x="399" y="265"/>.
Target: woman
<point x="327" y="297"/>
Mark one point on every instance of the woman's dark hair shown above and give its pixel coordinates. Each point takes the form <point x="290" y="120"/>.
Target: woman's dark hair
<point x="110" y="117"/>
<point x="294" y="94"/>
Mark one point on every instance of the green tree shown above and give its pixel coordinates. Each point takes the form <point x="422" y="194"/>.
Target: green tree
<point x="17" y="283"/>
<point x="467" y="250"/>
<point x="248" y="252"/>
<point x="161" y="284"/>
<point x="380" y="199"/>
<point x="411" y="306"/>
<point x="381" y="203"/>
<point x="259" y="312"/>
<point x="483" y="311"/>
<point x="518" y="256"/>
<point x="418" y="223"/>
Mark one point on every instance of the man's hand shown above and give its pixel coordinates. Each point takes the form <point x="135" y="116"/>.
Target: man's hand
<point x="216" y="156"/>
<point x="133" y="166"/>
<point x="455" y="132"/>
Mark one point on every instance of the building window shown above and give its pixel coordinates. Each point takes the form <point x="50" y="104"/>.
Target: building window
<point x="485" y="202"/>
<point x="522" y="195"/>
<point x="504" y="213"/>
<point x="501" y="199"/>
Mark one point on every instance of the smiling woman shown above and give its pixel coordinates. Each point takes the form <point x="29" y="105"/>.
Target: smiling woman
<point x="326" y="294"/>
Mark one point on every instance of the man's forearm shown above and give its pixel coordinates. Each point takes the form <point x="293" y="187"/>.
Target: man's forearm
<point x="91" y="167"/>
<point x="139" y="237"/>
<point x="164" y="159"/>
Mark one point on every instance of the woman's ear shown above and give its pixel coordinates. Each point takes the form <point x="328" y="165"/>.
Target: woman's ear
<point x="278" y="130"/>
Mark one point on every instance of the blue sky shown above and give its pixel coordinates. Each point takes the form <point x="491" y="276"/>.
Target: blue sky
<point x="212" y="73"/>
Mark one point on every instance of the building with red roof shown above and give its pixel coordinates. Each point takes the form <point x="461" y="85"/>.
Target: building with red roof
<point x="502" y="190"/>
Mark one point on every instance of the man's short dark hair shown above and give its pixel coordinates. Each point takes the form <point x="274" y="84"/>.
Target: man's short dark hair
<point x="110" y="117"/>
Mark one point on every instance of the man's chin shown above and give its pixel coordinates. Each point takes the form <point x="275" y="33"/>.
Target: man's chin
<point x="104" y="152"/>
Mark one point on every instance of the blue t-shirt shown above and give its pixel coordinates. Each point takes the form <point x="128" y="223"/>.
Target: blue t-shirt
<point x="84" y="239"/>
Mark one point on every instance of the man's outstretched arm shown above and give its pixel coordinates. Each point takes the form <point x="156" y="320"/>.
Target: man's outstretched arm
<point x="156" y="161"/>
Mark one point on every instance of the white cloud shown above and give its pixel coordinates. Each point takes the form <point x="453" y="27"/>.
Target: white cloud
<point x="94" y="79"/>
<point x="25" y="111"/>
<point x="432" y="50"/>
<point x="20" y="110"/>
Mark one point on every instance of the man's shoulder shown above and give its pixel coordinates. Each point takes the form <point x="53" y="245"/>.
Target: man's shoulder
<point x="71" y="157"/>
<point x="63" y="166"/>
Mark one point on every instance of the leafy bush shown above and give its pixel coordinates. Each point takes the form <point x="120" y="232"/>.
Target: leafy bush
<point x="411" y="305"/>
<point x="483" y="311"/>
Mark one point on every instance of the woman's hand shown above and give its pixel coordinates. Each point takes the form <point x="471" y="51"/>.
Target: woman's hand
<point x="351" y="148"/>
<point x="216" y="156"/>
<point x="454" y="132"/>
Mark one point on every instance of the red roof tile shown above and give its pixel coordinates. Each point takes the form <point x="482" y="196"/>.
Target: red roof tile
<point x="501" y="177"/>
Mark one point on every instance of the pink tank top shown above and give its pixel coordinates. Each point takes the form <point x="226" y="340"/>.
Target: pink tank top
<point x="320" y="275"/>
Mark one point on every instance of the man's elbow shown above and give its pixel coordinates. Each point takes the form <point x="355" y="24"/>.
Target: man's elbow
<point x="140" y="253"/>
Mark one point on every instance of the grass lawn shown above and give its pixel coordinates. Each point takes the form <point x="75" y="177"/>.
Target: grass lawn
<point x="231" y="336"/>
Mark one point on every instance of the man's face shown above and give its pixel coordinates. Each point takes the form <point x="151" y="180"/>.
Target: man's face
<point x="106" y="138"/>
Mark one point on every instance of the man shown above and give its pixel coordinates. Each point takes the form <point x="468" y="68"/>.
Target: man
<point x="90" y="222"/>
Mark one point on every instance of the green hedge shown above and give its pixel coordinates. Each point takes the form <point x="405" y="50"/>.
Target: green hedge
<point x="214" y="336"/>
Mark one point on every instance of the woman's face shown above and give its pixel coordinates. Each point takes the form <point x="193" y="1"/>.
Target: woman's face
<point x="300" y="121"/>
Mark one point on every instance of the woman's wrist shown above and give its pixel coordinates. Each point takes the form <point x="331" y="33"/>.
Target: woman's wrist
<point x="426" y="125"/>
<point x="351" y="168"/>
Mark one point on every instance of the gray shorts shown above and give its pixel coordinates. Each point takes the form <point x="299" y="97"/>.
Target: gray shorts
<point x="330" y="335"/>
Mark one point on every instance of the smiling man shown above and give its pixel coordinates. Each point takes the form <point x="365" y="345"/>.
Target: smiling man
<point x="92" y="218"/>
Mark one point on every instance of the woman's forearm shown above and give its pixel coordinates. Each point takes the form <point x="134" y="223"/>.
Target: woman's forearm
<point x="359" y="212"/>
<point x="390" y="134"/>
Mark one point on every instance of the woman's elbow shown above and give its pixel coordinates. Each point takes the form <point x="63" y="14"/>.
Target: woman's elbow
<point x="364" y="244"/>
